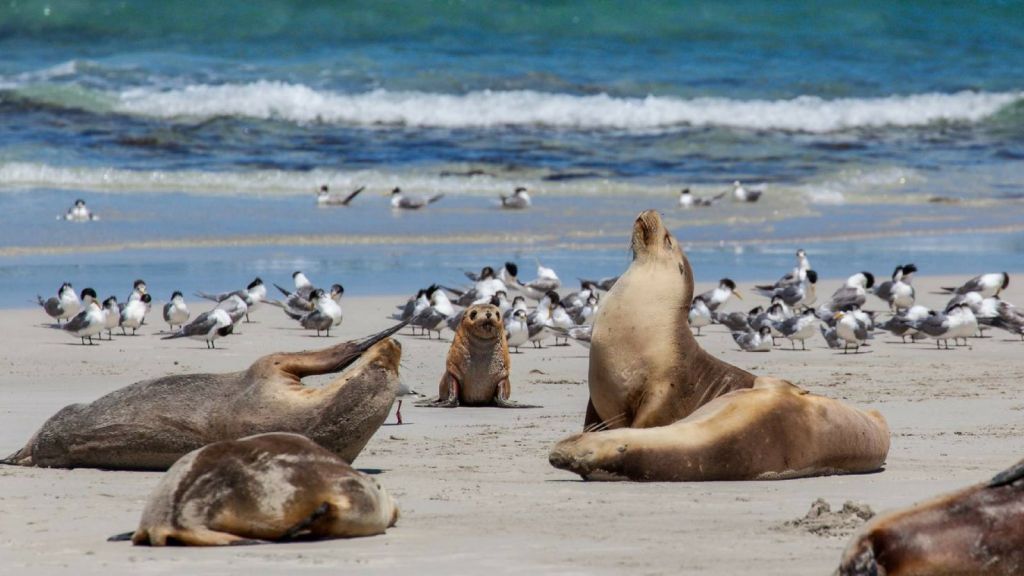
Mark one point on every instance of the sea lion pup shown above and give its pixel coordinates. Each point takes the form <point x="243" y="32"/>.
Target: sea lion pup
<point x="150" y="424"/>
<point x="269" y="487"/>
<point x="772" y="431"/>
<point x="477" y="368"/>
<point x="646" y="368"/>
<point x="976" y="530"/>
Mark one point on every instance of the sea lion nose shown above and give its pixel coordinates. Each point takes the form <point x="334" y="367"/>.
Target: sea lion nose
<point x="488" y="315"/>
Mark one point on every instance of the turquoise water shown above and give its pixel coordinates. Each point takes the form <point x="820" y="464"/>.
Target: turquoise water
<point x="188" y="122"/>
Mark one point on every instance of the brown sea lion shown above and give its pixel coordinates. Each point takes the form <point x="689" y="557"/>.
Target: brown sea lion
<point x="774" y="430"/>
<point x="646" y="368"/>
<point x="663" y="409"/>
<point x="978" y="530"/>
<point x="269" y="487"/>
<point x="477" y="368"/>
<point x="150" y="424"/>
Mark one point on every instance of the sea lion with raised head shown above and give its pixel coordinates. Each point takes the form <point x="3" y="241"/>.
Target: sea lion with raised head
<point x="977" y="530"/>
<point x="661" y="408"/>
<point x="772" y="431"/>
<point x="646" y="368"/>
<point x="150" y="424"/>
<point x="478" y="364"/>
<point x="272" y="487"/>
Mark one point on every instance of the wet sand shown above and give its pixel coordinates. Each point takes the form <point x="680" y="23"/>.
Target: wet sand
<point x="474" y="486"/>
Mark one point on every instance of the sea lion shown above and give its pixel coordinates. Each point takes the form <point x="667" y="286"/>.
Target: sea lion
<point x="150" y="424"/>
<point x="663" y="409"/>
<point x="977" y="530"/>
<point x="269" y="487"/>
<point x="477" y="367"/>
<point x="646" y="368"/>
<point x="774" y="430"/>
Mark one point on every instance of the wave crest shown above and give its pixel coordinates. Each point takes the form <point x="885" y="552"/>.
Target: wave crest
<point x="489" y="109"/>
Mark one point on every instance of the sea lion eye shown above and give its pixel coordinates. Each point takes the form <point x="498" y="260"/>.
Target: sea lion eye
<point x="472" y="315"/>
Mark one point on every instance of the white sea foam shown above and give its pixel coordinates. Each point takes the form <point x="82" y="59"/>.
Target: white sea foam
<point x="27" y="175"/>
<point x="485" y="109"/>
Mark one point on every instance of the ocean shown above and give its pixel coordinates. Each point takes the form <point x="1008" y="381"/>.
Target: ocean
<point x="882" y="133"/>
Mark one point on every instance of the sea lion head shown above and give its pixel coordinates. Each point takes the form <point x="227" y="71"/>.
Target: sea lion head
<point x="595" y="455"/>
<point x="482" y="321"/>
<point x="370" y="507"/>
<point x="652" y="244"/>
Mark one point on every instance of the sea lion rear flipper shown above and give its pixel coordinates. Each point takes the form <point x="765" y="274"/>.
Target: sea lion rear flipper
<point x="1008" y="476"/>
<point x="762" y="382"/>
<point x="23" y="456"/>
<point x="333" y="359"/>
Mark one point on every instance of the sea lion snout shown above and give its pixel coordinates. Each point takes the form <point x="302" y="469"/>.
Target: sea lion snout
<point x="575" y="454"/>
<point x="483" y="320"/>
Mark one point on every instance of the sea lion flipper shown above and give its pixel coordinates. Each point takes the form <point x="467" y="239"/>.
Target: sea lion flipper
<point x="305" y="523"/>
<point x="1008" y="476"/>
<point x="765" y="382"/>
<point x="500" y="403"/>
<point x="329" y="360"/>
<point x="449" y="397"/>
<point x="122" y="537"/>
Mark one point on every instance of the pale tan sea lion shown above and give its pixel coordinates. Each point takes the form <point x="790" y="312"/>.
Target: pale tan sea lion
<point x="646" y="368"/>
<point x="150" y="424"/>
<point x="978" y="530"/>
<point x="478" y="364"/>
<point x="663" y="409"/>
<point x="774" y="430"/>
<point x="269" y="487"/>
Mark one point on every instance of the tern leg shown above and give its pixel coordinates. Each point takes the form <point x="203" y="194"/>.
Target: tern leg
<point x="398" y="412"/>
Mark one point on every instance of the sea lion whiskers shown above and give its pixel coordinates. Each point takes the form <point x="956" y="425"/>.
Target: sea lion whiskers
<point x="605" y="424"/>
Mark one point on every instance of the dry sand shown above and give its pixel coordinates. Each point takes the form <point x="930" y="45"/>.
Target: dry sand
<point x="474" y="485"/>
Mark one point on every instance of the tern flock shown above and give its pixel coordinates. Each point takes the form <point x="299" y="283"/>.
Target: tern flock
<point x="538" y="311"/>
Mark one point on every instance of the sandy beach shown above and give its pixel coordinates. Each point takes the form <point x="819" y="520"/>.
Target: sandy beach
<point x="474" y="486"/>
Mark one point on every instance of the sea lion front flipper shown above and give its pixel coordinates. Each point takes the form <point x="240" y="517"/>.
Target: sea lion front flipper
<point x="449" y="389"/>
<point x="503" y="403"/>
<point x="504" y="391"/>
<point x="304" y="524"/>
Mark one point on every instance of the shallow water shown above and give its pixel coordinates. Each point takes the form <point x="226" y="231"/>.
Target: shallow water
<point x="199" y="133"/>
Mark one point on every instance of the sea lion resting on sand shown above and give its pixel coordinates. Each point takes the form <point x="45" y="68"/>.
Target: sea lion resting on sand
<point x="150" y="424"/>
<point x="977" y="530"/>
<point x="477" y="367"/>
<point x="268" y="487"/>
<point x="648" y="374"/>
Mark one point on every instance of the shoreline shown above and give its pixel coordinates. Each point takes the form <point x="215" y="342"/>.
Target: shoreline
<point x="473" y="484"/>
